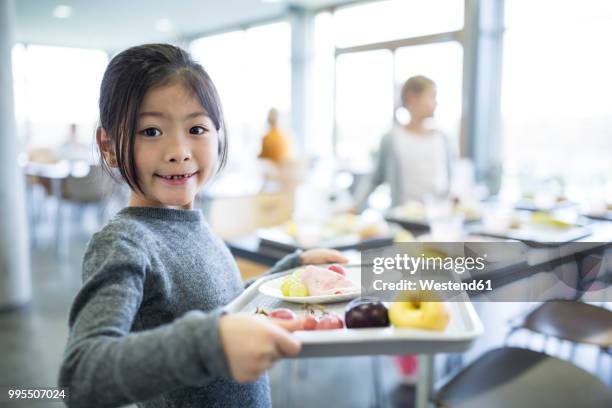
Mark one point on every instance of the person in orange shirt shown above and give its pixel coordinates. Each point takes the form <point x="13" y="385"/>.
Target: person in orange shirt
<point x="275" y="144"/>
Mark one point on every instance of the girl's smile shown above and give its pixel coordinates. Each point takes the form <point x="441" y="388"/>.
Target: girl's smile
<point x="177" y="179"/>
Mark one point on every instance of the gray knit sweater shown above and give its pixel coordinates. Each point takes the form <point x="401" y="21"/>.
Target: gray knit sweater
<point x="144" y="326"/>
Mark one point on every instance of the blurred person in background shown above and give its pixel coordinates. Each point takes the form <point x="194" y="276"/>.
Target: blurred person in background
<point x="277" y="159"/>
<point x="276" y="144"/>
<point x="73" y="148"/>
<point x="414" y="159"/>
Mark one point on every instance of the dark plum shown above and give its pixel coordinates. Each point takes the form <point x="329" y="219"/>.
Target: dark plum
<point x="366" y="312"/>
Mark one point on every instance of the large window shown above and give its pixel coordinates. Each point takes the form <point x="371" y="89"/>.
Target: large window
<point x="370" y="71"/>
<point x="55" y="87"/>
<point x="367" y="97"/>
<point x="364" y="101"/>
<point x="556" y="86"/>
<point x="252" y="72"/>
<point x="396" y="19"/>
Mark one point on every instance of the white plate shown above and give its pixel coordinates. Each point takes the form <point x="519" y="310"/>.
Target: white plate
<point x="272" y="288"/>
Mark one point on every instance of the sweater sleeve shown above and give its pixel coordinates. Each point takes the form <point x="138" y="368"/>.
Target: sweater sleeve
<point x="107" y="365"/>
<point x="287" y="262"/>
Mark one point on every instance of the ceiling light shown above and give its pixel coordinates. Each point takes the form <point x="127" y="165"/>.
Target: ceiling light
<point x="163" y="25"/>
<point x="62" y="11"/>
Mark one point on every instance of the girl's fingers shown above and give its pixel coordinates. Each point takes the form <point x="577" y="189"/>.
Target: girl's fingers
<point x="254" y="375"/>
<point x="324" y="255"/>
<point x="340" y="258"/>
<point x="289" y="325"/>
<point x="269" y="358"/>
<point x="286" y="345"/>
<point x="332" y="255"/>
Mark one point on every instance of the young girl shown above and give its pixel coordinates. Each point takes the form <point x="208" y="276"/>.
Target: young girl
<point x="148" y="324"/>
<point x="414" y="159"/>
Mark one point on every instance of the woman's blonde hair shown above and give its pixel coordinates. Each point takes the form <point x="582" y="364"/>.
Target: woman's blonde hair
<point x="416" y="85"/>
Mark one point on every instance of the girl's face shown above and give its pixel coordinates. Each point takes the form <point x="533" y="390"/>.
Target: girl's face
<point x="176" y="148"/>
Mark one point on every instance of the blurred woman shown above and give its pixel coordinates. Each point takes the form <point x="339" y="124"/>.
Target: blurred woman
<point x="413" y="159"/>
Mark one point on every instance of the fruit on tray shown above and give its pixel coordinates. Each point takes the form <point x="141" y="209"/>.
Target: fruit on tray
<point x="415" y="211"/>
<point x="282" y="313"/>
<point x="321" y="281"/>
<point x="372" y="230"/>
<point x="338" y="269"/>
<point x="292" y="286"/>
<point x="309" y="321"/>
<point x="404" y="236"/>
<point x="291" y="228"/>
<point x="343" y="223"/>
<point x="515" y="222"/>
<point x="366" y="312"/>
<point x="412" y="210"/>
<point x="468" y="212"/>
<point x="547" y="220"/>
<point x="412" y="312"/>
<point x="329" y="321"/>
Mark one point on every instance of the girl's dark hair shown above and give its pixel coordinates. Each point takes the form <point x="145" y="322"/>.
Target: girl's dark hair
<point x="129" y="75"/>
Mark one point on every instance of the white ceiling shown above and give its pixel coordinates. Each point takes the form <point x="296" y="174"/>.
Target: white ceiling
<point x="117" y="24"/>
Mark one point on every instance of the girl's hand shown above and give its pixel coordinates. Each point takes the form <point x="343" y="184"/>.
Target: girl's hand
<point x="322" y="256"/>
<point x="253" y="344"/>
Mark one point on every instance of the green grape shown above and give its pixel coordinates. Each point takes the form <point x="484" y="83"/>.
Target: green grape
<point x="286" y="285"/>
<point x="298" y="289"/>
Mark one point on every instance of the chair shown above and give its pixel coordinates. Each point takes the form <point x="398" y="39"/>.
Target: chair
<point x="571" y="320"/>
<point x="575" y="321"/>
<point x="93" y="188"/>
<point x="513" y="377"/>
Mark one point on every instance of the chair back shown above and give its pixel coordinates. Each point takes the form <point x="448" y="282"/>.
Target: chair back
<point x="93" y="187"/>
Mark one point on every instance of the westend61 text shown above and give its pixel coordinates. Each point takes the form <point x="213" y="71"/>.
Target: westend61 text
<point x="432" y="285"/>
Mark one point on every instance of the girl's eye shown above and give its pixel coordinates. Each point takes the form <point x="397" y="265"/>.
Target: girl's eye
<point x="151" y="132"/>
<point x="197" y="130"/>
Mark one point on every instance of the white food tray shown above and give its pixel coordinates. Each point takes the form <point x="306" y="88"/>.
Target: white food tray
<point x="464" y="327"/>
